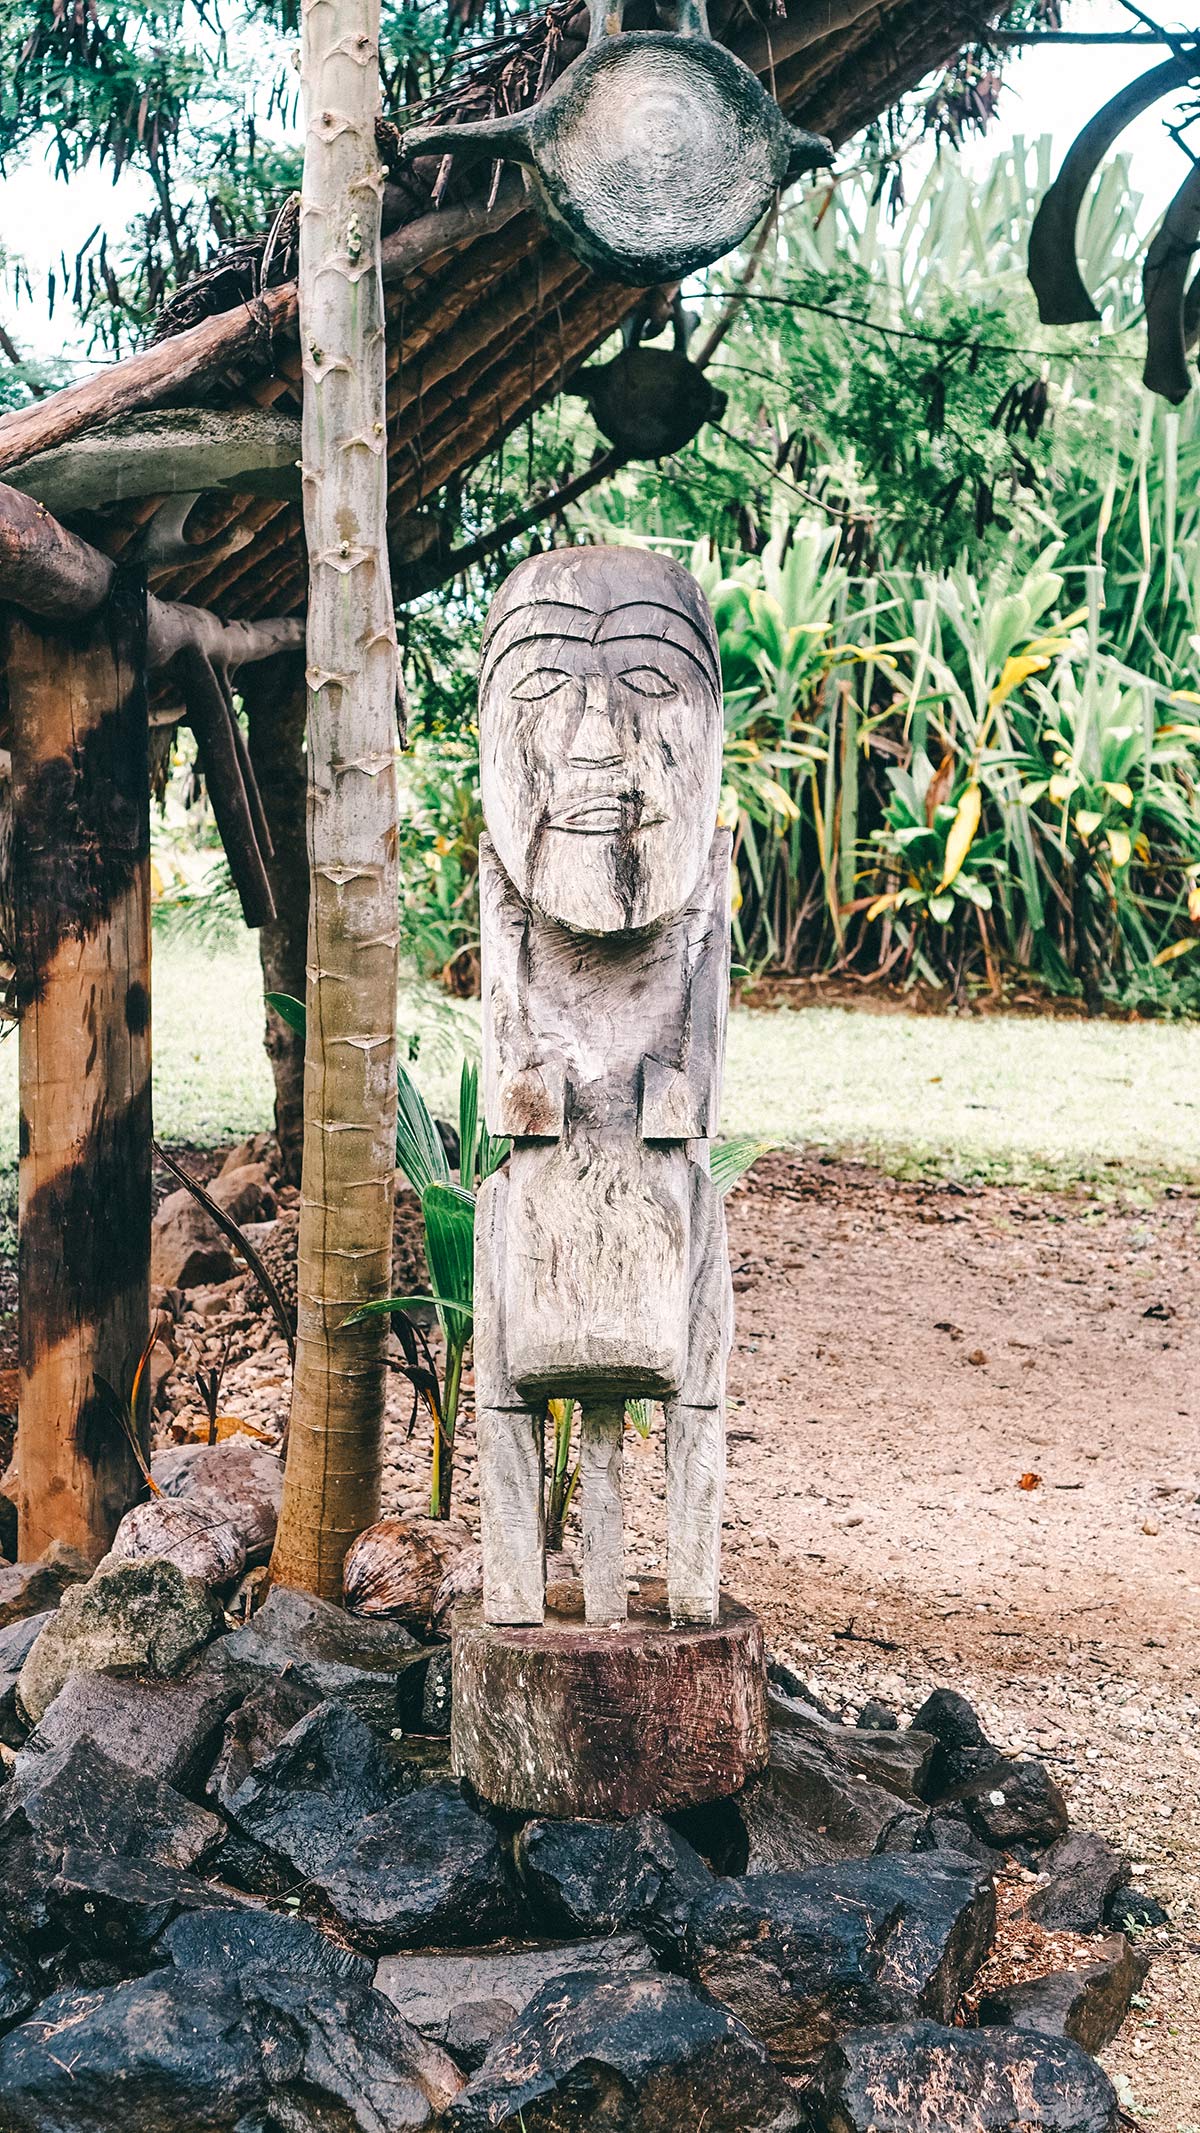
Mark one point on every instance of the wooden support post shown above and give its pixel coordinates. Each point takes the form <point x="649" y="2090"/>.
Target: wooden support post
<point x="276" y="700"/>
<point x="81" y="870"/>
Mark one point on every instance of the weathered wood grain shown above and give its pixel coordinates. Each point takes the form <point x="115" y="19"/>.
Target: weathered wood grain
<point x="510" y="1439"/>
<point x="574" y="1719"/>
<point x="601" y="1264"/>
<point x="600" y="1432"/>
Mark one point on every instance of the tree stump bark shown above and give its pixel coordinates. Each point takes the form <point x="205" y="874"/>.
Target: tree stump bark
<point x="569" y="1721"/>
<point x="81" y="871"/>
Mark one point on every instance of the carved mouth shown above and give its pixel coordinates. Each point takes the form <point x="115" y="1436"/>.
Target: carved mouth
<point x="602" y="815"/>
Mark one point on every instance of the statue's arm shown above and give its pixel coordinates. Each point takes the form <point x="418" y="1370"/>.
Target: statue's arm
<point x="522" y="1090"/>
<point x="681" y="1099"/>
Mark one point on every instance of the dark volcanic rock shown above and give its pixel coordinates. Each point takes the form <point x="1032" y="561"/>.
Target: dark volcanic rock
<point x="1084" y="1872"/>
<point x="798" y="1957"/>
<point x="596" y="1877"/>
<point x="810" y="1806"/>
<point x="115" y="1909"/>
<point x="788" y="1682"/>
<point x="1130" y="1907"/>
<point x="425" y="1871"/>
<point x="959" y="2081"/>
<point x="325" y="1777"/>
<point x="467" y="2001"/>
<point x="945" y="1927"/>
<point x="640" y="2055"/>
<point x="951" y="1720"/>
<point x="793" y="1967"/>
<point x="19" y="1989"/>
<point x="253" y="1732"/>
<point x="80" y="1799"/>
<point x="16" y="1641"/>
<point x="1016" y="1803"/>
<point x="36" y="1588"/>
<point x="897" y="1762"/>
<point x="939" y="1829"/>
<point x="244" y="1940"/>
<point x="878" y="1717"/>
<point x="162" y="1728"/>
<point x="191" y="2052"/>
<point x="963" y="1753"/>
<point x="1088" y="2004"/>
<point x="374" y="1666"/>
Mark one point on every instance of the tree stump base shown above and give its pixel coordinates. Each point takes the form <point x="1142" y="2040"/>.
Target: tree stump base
<point x="569" y="1721"/>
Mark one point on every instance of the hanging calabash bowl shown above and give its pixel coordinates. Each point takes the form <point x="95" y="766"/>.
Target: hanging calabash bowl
<point x="653" y="154"/>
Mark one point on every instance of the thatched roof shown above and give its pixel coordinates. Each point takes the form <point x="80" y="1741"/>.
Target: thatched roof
<point x="487" y="316"/>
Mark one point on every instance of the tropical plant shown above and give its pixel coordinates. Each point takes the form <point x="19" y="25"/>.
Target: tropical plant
<point x="448" y="1217"/>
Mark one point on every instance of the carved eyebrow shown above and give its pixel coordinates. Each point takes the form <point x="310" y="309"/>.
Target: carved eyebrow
<point x="656" y="607"/>
<point x="667" y="644"/>
<point x="494" y="653"/>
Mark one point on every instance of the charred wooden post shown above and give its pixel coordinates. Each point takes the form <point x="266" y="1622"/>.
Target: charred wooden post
<point x="77" y="657"/>
<point x="602" y="1271"/>
<point x="81" y="869"/>
<point x="276" y="705"/>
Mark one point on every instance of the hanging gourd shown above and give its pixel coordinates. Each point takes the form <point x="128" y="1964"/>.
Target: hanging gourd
<point x="653" y="154"/>
<point x="650" y="401"/>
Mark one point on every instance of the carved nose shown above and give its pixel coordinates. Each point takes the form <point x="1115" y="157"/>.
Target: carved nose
<point x="596" y="742"/>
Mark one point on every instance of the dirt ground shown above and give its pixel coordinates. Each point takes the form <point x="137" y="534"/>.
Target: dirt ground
<point x="906" y="1357"/>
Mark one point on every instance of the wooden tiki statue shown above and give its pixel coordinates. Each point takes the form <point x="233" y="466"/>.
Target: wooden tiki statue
<point x="602" y="1270"/>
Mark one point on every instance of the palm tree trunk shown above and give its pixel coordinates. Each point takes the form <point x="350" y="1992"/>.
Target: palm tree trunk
<point x="331" y="1489"/>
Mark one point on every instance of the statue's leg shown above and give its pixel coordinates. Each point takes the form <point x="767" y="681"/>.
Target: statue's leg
<point x="695" y="1422"/>
<point x="601" y="1434"/>
<point x="510" y="1439"/>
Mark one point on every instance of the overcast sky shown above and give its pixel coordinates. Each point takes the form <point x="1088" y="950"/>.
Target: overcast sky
<point x="1052" y="89"/>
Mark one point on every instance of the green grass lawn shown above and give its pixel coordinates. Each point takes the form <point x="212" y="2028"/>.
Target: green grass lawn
<point x="1019" y="1100"/>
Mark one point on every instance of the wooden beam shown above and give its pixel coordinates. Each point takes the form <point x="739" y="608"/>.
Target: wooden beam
<point x="81" y="871"/>
<point x="185" y="361"/>
<point x="52" y="573"/>
<point x="167" y="452"/>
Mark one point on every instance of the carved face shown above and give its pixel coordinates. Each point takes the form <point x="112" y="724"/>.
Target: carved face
<point x="600" y="732"/>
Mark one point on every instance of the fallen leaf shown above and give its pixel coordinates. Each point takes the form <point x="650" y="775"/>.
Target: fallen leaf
<point x="1030" y="1481"/>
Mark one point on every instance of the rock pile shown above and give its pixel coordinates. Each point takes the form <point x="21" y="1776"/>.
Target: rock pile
<point x="240" y="1893"/>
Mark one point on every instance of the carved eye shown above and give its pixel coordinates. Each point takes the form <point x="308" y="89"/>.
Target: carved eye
<point x="648" y="681"/>
<point x="543" y="682"/>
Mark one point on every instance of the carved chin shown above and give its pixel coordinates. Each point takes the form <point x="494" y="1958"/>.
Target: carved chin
<point x="614" y="884"/>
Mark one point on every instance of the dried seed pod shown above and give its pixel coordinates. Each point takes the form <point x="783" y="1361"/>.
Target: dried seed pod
<point x="196" y="1537"/>
<point x="397" y="1567"/>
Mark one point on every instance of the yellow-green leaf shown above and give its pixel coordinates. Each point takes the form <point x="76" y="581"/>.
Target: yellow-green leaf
<point x="1176" y="949"/>
<point x="882" y="904"/>
<point x="1121" y="847"/>
<point x="962" y="834"/>
<point x="1086" y="822"/>
<point x="1014" y="673"/>
<point x="1120" y="793"/>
